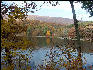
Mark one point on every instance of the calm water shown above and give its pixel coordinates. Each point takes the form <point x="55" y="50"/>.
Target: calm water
<point x="53" y="52"/>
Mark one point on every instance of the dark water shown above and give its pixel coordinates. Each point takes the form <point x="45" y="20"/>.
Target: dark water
<point x="54" y="53"/>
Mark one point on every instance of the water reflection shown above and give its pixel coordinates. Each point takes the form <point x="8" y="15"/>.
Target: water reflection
<point x="48" y="41"/>
<point x="50" y="54"/>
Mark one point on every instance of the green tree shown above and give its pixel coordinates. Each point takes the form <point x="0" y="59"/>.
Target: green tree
<point x="29" y="31"/>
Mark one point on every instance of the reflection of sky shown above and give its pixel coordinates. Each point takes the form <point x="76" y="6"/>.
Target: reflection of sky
<point x="89" y="58"/>
<point x="62" y="10"/>
<point x="39" y="55"/>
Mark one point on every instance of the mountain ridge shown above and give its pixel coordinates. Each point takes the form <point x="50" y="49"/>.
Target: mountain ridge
<point x="57" y="20"/>
<point x="48" y="19"/>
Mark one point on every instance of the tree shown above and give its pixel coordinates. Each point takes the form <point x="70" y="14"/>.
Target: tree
<point x="75" y="21"/>
<point x="87" y="5"/>
<point x="9" y="29"/>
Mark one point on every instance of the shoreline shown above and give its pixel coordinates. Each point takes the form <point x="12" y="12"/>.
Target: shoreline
<point x="58" y="37"/>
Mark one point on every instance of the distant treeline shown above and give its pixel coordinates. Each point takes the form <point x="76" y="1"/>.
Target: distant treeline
<point x="38" y="28"/>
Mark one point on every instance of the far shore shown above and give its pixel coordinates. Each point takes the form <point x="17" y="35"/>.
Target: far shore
<point x="59" y="38"/>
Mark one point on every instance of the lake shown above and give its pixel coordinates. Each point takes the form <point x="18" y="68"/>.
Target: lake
<point x="51" y="54"/>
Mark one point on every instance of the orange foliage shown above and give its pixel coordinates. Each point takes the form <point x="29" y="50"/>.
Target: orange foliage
<point x="48" y="33"/>
<point x="71" y="32"/>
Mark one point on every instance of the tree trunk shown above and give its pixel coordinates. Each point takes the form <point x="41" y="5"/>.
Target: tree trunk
<point x="77" y="34"/>
<point x="9" y="57"/>
<point x="75" y="21"/>
<point x="80" y="58"/>
<point x="1" y="17"/>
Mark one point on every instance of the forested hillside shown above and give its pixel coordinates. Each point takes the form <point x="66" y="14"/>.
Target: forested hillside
<point x="40" y="28"/>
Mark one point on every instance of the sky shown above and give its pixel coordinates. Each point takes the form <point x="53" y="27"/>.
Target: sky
<point x="63" y="10"/>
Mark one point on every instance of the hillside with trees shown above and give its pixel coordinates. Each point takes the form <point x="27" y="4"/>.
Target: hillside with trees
<point x="40" y="28"/>
<point x="45" y="43"/>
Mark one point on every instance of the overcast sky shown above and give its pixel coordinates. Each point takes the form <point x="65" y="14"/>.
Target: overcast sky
<point x="63" y="10"/>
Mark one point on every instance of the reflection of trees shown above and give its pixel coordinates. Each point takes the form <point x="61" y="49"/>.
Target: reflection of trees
<point x="62" y="57"/>
<point x="59" y="57"/>
<point x="9" y="59"/>
<point x="40" y="42"/>
<point x="80" y="57"/>
<point x="48" y="41"/>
